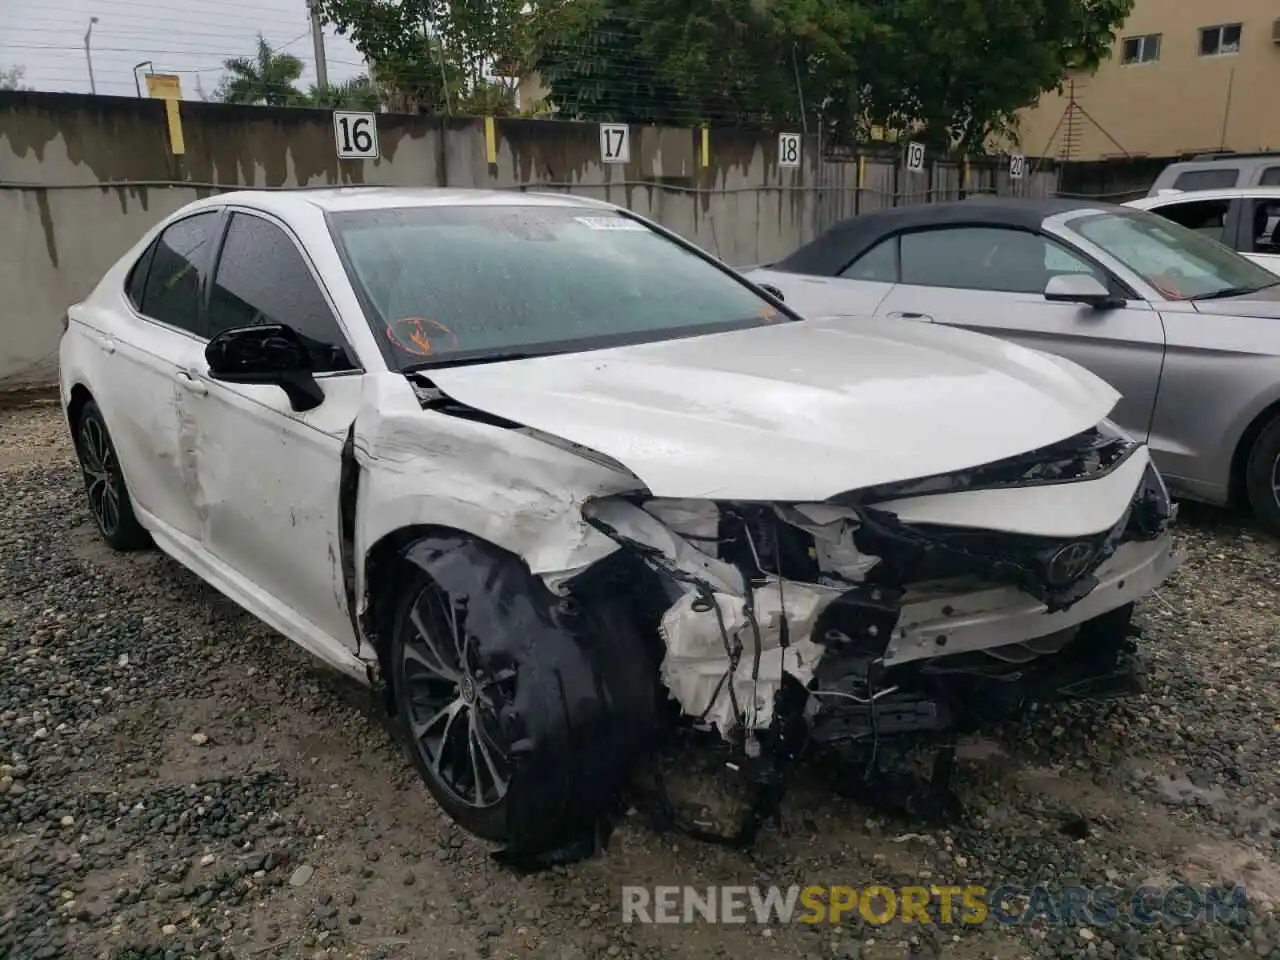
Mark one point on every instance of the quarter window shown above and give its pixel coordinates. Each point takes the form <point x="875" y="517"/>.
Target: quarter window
<point x="987" y="258"/>
<point x="880" y="263"/>
<point x="1220" y="40"/>
<point x="1270" y="177"/>
<point x="263" y="278"/>
<point x="179" y="265"/>
<point x="1143" y="49"/>
<point x="1208" y="217"/>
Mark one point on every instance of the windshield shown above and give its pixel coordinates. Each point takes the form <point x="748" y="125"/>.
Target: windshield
<point x="470" y="283"/>
<point x="1177" y="261"/>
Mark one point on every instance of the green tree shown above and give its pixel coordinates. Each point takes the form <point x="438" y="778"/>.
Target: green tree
<point x="11" y="79"/>
<point x="265" y="78"/>
<point x="358" y="93"/>
<point x="957" y="70"/>
<point x="438" y="56"/>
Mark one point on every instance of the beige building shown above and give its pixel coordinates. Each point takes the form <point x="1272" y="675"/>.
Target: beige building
<point x="1185" y="76"/>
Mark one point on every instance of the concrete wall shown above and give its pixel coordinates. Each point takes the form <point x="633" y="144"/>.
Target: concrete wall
<point x="82" y="177"/>
<point x="1181" y="102"/>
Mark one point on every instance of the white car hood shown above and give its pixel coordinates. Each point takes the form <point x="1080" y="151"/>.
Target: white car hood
<point x="795" y="411"/>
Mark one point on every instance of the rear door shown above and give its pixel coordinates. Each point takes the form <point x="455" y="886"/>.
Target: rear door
<point x="992" y="279"/>
<point x="141" y="382"/>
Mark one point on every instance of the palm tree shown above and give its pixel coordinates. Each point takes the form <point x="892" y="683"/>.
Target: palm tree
<point x="267" y="78"/>
<point x="358" y="93"/>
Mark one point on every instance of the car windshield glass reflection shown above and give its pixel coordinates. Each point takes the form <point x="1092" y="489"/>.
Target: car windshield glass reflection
<point x="1178" y="262"/>
<point x="445" y="284"/>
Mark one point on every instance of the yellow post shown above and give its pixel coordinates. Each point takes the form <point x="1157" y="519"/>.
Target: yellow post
<point x="706" y="146"/>
<point x="167" y="87"/>
<point x="862" y="170"/>
<point x="490" y="141"/>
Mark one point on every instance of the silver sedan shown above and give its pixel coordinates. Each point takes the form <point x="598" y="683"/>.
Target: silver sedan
<point x="1185" y="328"/>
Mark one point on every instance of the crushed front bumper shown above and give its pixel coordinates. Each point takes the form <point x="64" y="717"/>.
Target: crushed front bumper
<point x="944" y="624"/>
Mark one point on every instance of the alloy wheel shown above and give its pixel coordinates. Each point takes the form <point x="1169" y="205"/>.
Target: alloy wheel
<point x="97" y="461"/>
<point x="451" y="702"/>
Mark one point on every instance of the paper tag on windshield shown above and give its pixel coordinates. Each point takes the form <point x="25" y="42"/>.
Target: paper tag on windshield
<point x="610" y="223"/>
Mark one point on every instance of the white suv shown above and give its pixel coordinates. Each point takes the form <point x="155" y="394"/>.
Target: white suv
<point x="1245" y="219"/>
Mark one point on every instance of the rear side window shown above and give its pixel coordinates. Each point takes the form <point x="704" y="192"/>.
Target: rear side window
<point x="1266" y="226"/>
<point x="179" y="265"/>
<point x="1216" y="179"/>
<point x="1270" y="177"/>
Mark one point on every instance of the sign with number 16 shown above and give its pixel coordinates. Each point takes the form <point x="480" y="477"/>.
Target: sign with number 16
<point x="356" y="135"/>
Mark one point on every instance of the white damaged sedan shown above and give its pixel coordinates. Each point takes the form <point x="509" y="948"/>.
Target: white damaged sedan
<point x="558" y="482"/>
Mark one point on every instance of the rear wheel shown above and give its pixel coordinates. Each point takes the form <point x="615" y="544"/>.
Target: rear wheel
<point x="104" y="485"/>
<point x="1262" y="476"/>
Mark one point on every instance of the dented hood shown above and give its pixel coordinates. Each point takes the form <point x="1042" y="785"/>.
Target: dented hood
<point x="797" y="410"/>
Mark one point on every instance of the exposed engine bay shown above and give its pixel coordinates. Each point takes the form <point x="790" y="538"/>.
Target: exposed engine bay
<point x="841" y="626"/>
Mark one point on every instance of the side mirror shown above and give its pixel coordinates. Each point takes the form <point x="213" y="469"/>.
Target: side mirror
<point x="1080" y="288"/>
<point x="270" y="353"/>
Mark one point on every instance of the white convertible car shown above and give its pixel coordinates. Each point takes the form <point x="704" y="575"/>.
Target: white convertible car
<point x="555" y="481"/>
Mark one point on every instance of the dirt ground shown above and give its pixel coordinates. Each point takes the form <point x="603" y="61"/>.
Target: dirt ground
<point x="178" y="780"/>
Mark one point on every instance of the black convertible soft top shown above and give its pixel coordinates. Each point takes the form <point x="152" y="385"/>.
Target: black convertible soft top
<point x="834" y="250"/>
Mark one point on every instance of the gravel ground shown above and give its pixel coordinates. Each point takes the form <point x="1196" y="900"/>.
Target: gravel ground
<point x="177" y="780"/>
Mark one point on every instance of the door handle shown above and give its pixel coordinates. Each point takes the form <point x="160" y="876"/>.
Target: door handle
<point x="191" y="384"/>
<point x="909" y="315"/>
<point x="106" y="344"/>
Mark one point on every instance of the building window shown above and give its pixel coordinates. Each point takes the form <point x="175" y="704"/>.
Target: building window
<point x="1217" y="41"/>
<point x="1141" y="49"/>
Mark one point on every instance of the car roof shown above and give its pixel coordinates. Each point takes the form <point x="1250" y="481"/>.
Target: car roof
<point x="833" y="250"/>
<point x="340" y="199"/>
<point x="1223" y="193"/>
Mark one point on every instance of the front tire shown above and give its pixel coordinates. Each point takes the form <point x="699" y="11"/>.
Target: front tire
<point x="108" y="496"/>
<point x="1262" y="477"/>
<point x="524" y="712"/>
<point x="448" y="710"/>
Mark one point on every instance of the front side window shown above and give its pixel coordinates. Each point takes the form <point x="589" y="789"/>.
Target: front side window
<point x="263" y="278"/>
<point x="1180" y="263"/>
<point x="179" y="265"/>
<point x="1220" y="40"/>
<point x="987" y="258"/>
<point x="1207" y="217"/>
<point x="487" y="282"/>
<point x="1144" y="49"/>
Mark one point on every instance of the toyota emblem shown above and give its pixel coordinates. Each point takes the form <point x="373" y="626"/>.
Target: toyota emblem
<point x="1070" y="562"/>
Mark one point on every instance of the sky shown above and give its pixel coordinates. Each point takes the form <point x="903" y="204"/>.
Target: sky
<point x="189" y="38"/>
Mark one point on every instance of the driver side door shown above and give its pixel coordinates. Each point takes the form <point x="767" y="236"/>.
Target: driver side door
<point x="991" y="279"/>
<point x="267" y="474"/>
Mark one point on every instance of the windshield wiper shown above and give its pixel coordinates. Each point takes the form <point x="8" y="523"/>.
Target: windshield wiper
<point x="1235" y="292"/>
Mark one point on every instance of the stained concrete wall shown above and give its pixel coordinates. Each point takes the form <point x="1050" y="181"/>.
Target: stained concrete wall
<point x="82" y="177"/>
